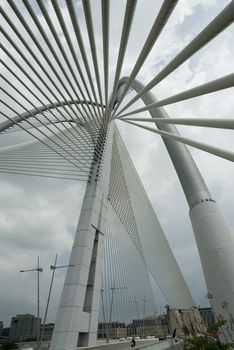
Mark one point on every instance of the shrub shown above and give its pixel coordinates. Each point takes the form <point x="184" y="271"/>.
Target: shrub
<point x="209" y="340"/>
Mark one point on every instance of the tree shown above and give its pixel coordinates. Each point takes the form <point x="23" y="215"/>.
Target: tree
<point x="208" y="340"/>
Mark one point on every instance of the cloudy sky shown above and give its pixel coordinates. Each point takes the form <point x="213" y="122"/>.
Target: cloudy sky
<point x="39" y="216"/>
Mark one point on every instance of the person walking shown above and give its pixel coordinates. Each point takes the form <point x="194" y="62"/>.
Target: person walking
<point x="133" y="342"/>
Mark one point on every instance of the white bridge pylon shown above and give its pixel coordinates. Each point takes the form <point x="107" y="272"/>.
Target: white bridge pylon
<point x="51" y="92"/>
<point x="213" y="236"/>
<point x="76" y="322"/>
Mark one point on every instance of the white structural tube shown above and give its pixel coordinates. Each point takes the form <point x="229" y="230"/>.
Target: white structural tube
<point x="214" y="237"/>
<point x="221" y="123"/>
<point x="215" y="85"/>
<point x="203" y="146"/>
<point x="215" y="242"/>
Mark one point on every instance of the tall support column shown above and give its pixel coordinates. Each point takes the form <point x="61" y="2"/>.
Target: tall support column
<point x="77" y="318"/>
<point x="214" y="237"/>
<point x="215" y="242"/>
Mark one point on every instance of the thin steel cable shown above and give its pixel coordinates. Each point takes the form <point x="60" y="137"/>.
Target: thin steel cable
<point x="202" y="146"/>
<point x="18" y="159"/>
<point x="107" y="271"/>
<point x="33" y="81"/>
<point x="90" y="30"/>
<point x="44" y="144"/>
<point x="138" y="197"/>
<point x="34" y="56"/>
<point x="48" y="169"/>
<point x="70" y="45"/>
<point x="29" y="156"/>
<point x="212" y="86"/>
<point x="45" y="37"/>
<point x="159" y="23"/>
<point x="121" y="277"/>
<point x="204" y="122"/>
<point x="30" y="78"/>
<point x="126" y="279"/>
<point x="42" y="175"/>
<point x="42" y="124"/>
<point x="16" y="76"/>
<point x="34" y="169"/>
<point x="51" y="122"/>
<point x="79" y="39"/>
<point x="58" y="41"/>
<point x="12" y="109"/>
<point x="40" y="157"/>
<point x="45" y="126"/>
<point x="120" y="192"/>
<point x="215" y="27"/>
<point x="36" y="42"/>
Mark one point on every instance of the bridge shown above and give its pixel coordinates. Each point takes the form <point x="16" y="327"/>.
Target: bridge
<point x="61" y="93"/>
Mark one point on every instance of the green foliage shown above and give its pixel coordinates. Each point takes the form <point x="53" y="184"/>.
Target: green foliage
<point x="209" y="340"/>
<point x="8" y="346"/>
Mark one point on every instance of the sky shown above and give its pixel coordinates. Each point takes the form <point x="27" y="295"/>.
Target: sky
<point x="38" y="217"/>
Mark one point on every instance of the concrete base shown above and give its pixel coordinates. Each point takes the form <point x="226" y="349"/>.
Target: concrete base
<point x="215" y="242"/>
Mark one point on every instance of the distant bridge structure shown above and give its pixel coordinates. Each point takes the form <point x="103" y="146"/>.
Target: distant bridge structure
<point x="56" y="89"/>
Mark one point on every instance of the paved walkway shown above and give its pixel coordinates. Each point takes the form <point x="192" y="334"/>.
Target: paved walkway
<point x="125" y="345"/>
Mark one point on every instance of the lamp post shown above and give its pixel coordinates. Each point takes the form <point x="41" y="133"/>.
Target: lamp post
<point x="53" y="268"/>
<point x="111" y="306"/>
<point x="144" y="313"/>
<point x="38" y="269"/>
<point x="134" y="328"/>
<point x="103" y="311"/>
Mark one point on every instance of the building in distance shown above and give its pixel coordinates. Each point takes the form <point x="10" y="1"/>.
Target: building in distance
<point x="117" y="330"/>
<point x="24" y="327"/>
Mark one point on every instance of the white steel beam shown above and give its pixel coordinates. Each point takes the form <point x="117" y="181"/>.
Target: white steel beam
<point x="215" y="27"/>
<point x="202" y="146"/>
<point x="128" y="18"/>
<point x="223" y="123"/>
<point x="212" y="86"/>
<point x="159" y="23"/>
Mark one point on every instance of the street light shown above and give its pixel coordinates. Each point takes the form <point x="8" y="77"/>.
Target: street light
<point x="103" y="311"/>
<point x="38" y="269"/>
<point x="144" y="306"/>
<point x="53" y="268"/>
<point x="134" y="329"/>
<point x="111" y="305"/>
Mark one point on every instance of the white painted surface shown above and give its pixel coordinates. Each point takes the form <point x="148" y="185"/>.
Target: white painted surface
<point x="72" y="318"/>
<point x="215" y="241"/>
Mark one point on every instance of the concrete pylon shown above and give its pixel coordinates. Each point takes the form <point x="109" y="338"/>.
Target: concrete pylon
<point x="77" y="318"/>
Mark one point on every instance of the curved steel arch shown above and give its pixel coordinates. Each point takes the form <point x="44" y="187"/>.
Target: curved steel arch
<point x="213" y="234"/>
<point x="17" y="119"/>
<point x="191" y="180"/>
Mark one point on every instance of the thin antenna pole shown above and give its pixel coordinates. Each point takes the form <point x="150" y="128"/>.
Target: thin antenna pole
<point x="38" y="303"/>
<point x="48" y="300"/>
